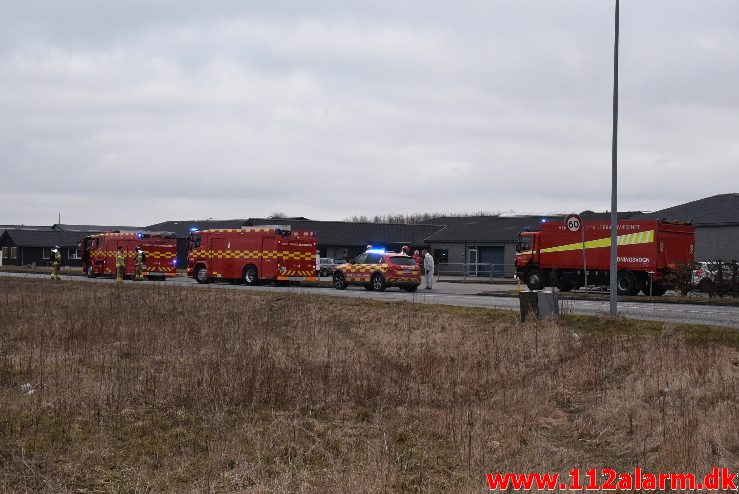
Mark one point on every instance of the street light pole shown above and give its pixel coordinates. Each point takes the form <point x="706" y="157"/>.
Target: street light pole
<point x="614" y="177"/>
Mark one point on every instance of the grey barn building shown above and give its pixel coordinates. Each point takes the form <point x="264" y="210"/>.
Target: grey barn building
<point x="346" y="240"/>
<point x="33" y="247"/>
<point x="485" y="243"/>
<point x="336" y="239"/>
<point x="716" y="221"/>
<point x="25" y="245"/>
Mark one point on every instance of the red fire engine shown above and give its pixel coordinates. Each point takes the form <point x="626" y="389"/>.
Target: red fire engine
<point x="647" y="250"/>
<point x="252" y="255"/>
<point x="160" y="252"/>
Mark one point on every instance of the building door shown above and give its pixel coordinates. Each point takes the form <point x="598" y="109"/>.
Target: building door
<point x="472" y="261"/>
<point x="492" y="256"/>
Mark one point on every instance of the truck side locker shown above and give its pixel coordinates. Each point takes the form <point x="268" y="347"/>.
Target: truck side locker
<point x="110" y="247"/>
<point x="217" y="264"/>
<point x="268" y="269"/>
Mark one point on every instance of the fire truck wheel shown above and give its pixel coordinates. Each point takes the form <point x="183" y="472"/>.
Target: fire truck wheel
<point x="658" y="289"/>
<point x="90" y="271"/>
<point x="564" y="286"/>
<point x="626" y="284"/>
<point x="534" y="279"/>
<point x="201" y="275"/>
<point x="250" y="276"/>
<point x="339" y="281"/>
<point x="378" y="283"/>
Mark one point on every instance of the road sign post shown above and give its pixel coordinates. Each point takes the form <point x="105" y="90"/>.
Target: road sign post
<point x="573" y="222"/>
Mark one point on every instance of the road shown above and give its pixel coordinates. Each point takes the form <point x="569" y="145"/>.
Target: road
<point x="468" y="295"/>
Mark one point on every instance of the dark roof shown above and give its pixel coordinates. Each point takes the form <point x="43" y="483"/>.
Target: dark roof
<point x="721" y="209"/>
<point x="25" y="227"/>
<point x="454" y="220"/>
<point x="94" y="228"/>
<point x="606" y="215"/>
<point x="345" y="234"/>
<point x="488" y="229"/>
<point x="22" y="227"/>
<point x="41" y="238"/>
<point x="182" y="228"/>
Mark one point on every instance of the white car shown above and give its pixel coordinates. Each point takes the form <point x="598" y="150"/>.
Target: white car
<point x="706" y="277"/>
<point x="326" y="266"/>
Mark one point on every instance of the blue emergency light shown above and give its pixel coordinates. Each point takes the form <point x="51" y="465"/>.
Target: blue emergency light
<point x="194" y="228"/>
<point x="376" y="251"/>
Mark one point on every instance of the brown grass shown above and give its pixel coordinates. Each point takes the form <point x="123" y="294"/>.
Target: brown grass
<point x="169" y="389"/>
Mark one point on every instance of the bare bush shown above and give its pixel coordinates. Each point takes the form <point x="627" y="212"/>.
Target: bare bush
<point x="681" y="278"/>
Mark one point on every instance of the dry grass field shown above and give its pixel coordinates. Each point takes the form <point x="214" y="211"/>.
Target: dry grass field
<point x="128" y="389"/>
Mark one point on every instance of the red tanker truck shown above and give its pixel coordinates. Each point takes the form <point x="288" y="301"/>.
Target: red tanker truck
<point x="647" y="251"/>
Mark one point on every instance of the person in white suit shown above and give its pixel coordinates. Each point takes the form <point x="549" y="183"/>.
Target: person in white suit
<point x="428" y="268"/>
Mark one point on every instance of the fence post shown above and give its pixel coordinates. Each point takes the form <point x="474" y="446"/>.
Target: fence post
<point x="734" y="269"/>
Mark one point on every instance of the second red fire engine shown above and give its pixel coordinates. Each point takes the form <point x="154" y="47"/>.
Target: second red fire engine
<point x="252" y="255"/>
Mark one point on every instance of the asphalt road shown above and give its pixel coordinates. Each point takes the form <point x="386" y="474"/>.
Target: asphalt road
<point x="467" y="295"/>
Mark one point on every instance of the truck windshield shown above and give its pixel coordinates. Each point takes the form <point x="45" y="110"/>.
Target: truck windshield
<point x="524" y="244"/>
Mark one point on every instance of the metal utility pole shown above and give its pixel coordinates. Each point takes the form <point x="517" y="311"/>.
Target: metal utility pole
<point x="614" y="176"/>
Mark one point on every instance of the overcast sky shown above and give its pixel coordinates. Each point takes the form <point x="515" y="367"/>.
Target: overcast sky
<point x="134" y="112"/>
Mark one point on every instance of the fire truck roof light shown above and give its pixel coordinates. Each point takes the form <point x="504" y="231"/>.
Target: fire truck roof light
<point x="194" y="228"/>
<point x="376" y="251"/>
<point x="543" y="220"/>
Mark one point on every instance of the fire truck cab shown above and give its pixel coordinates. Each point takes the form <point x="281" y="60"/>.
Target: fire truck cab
<point x="160" y="249"/>
<point x="252" y="255"/>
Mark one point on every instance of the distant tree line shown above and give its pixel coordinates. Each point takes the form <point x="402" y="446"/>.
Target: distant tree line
<point x="412" y="218"/>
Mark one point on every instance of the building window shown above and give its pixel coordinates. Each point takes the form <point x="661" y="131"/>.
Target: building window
<point x="46" y="253"/>
<point x="72" y="254"/>
<point x="14" y="252"/>
<point x="5" y="252"/>
<point x="441" y="256"/>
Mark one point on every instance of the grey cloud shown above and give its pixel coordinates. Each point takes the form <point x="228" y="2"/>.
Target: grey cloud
<point x="241" y="108"/>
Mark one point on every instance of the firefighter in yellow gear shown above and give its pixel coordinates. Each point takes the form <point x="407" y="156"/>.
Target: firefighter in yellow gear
<point x="56" y="261"/>
<point x="120" y="264"/>
<point x="139" y="262"/>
